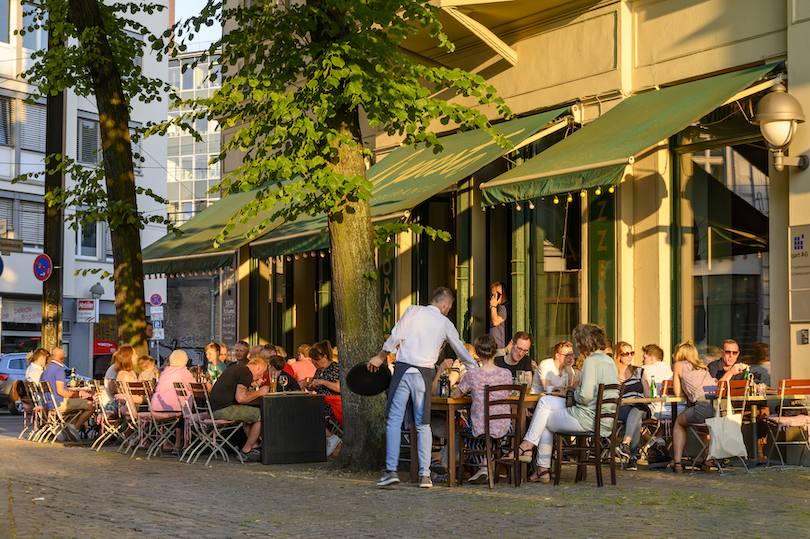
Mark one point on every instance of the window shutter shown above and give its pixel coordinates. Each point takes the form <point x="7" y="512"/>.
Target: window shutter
<point x="7" y="212"/>
<point x="6" y="121"/>
<point x="32" y="223"/>
<point x="32" y="127"/>
<point x="88" y="141"/>
<point x="108" y="250"/>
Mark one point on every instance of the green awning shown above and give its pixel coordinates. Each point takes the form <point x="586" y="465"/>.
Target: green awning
<point x="405" y="178"/>
<point x="598" y="153"/>
<point x="194" y="250"/>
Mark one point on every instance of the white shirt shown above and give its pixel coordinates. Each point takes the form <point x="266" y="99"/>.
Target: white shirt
<point x="420" y="334"/>
<point x="661" y="371"/>
<point x="548" y="371"/>
<point x="33" y="373"/>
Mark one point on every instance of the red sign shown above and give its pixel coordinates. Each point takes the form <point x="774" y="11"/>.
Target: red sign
<point x="103" y="347"/>
<point x="43" y="267"/>
<point x="156" y="300"/>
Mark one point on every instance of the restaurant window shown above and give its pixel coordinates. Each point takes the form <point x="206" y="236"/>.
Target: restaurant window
<point x="724" y="252"/>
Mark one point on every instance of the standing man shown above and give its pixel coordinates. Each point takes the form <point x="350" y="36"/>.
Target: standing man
<point x="419" y="334"/>
<point x="498" y="315"/>
<point x="518" y="359"/>
<point x="727" y="368"/>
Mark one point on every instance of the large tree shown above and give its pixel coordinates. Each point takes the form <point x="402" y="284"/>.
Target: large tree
<point x="300" y="81"/>
<point x="95" y="52"/>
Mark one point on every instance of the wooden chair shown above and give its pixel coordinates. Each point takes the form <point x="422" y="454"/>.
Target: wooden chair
<point x="791" y="414"/>
<point x="502" y="450"/>
<point x="591" y="447"/>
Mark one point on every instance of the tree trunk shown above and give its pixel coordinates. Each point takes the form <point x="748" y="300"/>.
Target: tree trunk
<point x="120" y="176"/>
<point x="357" y="309"/>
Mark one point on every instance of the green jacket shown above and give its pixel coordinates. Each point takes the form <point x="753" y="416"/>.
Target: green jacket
<point x="599" y="368"/>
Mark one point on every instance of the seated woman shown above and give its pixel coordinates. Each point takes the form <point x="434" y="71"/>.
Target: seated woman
<point x="476" y="382"/>
<point x="551" y="414"/>
<point x="284" y="380"/>
<point x="327" y="382"/>
<point x="635" y="387"/>
<point x="125" y="358"/>
<point x="37" y="361"/>
<point x="165" y="398"/>
<point x="215" y="366"/>
<point x="691" y="379"/>
<point x="148" y="369"/>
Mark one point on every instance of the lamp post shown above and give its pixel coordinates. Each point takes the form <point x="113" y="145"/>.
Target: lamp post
<point x="96" y="291"/>
<point x="777" y="115"/>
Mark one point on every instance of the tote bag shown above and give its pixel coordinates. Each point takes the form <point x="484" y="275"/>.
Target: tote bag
<point x="725" y="433"/>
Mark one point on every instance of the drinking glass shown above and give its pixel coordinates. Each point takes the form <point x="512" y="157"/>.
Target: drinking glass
<point x="272" y="386"/>
<point x="283" y="381"/>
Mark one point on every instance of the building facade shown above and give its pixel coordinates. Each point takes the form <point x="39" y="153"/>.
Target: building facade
<point x="22" y="150"/>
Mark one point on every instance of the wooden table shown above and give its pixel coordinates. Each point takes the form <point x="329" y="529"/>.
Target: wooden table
<point x="450" y="406"/>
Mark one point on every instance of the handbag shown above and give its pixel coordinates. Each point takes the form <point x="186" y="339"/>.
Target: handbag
<point x="725" y="433"/>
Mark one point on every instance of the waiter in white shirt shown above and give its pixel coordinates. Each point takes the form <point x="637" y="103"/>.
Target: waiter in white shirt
<point x="419" y="334"/>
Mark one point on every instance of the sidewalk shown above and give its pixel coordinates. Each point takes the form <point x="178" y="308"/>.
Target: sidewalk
<point x="60" y="491"/>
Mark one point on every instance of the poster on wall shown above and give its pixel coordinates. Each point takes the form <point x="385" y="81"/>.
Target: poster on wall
<point x="799" y="273"/>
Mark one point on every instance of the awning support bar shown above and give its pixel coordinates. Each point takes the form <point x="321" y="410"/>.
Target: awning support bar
<point x="624" y="161"/>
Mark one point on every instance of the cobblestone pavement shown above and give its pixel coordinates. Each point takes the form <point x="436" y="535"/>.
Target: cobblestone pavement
<point x="71" y="492"/>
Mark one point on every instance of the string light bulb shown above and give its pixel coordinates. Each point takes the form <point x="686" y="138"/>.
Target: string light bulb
<point x="611" y="189"/>
<point x="570" y="198"/>
<point x="295" y="256"/>
<point x="556" y="200"/>
<point x="598" y="191"/>
<point x="583" y="193"/>
<point x="305" y="255"/>
<point x="531" y="205"/>
<point x="517" y="206"/>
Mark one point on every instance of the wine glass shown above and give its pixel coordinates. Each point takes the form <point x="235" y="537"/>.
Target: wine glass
<point x="283" y="381"/>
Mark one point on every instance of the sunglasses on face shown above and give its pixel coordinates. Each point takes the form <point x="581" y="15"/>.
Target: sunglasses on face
<point x="625" y="354"/>
<point x="732" y="352"/>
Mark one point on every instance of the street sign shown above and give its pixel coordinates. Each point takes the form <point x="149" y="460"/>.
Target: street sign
<point x="158" y="334"/>
<point x="11" y="246"/>
<point x="43" y="267"/>
<point x="157" y="324"/>
<point x="86" y="310"/>
<point x="156" y="309"/>
<point x="157" y="316"/>
<point x="156" y="300"/>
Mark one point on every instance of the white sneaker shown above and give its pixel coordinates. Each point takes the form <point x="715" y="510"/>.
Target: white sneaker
<point x="481" y="476"/>
<point x="74" y="432"/>
<point x="331" y="444"/>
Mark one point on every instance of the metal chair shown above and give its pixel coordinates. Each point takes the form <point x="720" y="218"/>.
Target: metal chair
<point x="215" y="434"/>
<point x="502" y="450"/>
<point x="791" y="414"/>
<point x="700" y="430"/>
<point x="590" y="448"/>
<point x="57" y="420"/>
<point x="108" y="429"/>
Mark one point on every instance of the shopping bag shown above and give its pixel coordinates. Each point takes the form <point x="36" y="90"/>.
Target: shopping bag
<point x="725" y="433"/>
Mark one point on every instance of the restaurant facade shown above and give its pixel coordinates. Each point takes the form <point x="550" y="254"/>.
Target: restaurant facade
<point x="638" y="194"/>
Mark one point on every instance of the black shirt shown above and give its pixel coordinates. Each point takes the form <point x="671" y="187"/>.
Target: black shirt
<point x="525" y="364"/>
<point x="717" y="371"/>
<point x="223" y="394"/>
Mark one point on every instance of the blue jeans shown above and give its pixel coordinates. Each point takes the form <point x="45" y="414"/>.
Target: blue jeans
<point x="411" y="386"/>
<point x="632" y="418"/>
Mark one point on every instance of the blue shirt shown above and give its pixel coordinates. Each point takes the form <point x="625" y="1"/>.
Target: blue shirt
<point x="53" y="373"/>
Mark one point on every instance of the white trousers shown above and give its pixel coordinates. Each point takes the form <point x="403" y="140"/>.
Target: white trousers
<point x="550" y="416"/>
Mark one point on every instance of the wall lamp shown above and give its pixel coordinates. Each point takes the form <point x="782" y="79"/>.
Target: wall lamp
<point x="777" y="115"/>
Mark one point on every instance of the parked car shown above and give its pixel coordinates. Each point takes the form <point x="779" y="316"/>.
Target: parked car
<point x="12" y="368"/>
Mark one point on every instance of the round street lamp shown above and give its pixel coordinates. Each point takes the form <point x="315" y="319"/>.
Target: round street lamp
<point x="777" y="115"/>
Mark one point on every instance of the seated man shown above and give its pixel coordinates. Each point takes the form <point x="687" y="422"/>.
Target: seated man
<point x="235" y="388"/>
<point x="727" y="367"/>
<point x="517" y="358"/>
<point x="66" y="401"/>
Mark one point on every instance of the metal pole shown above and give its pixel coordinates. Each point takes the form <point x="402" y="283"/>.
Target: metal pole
<point x="54" y="218"/>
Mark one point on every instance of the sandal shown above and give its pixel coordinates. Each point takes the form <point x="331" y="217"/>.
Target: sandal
<point x="525" y="455"/>
<point x="676" y="467"/>
<point x="542" y="477"/>
<point x="702" y="466"/>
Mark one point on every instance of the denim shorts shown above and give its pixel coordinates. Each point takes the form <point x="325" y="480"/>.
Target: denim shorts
<point x="701" y="410"/>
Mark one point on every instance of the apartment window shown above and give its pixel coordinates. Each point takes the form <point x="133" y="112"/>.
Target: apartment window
<point x="108" y="249"/>
<point x="87" y="240"/>
<point x="6" y="121"/>
<point x="89" y="142"/>
<point x="32" y="223"/>
<point x="32" y="127"/>
<point x="7" y="212"/>
<point x="37" y="39"/>
<point x="5" y="14"/>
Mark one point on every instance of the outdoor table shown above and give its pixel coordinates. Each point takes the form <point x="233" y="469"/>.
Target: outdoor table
<point x="292" y="428"/>
<point x="450" y="406"/>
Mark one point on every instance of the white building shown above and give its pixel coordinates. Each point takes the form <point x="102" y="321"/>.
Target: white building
<point x="22" y="149"/>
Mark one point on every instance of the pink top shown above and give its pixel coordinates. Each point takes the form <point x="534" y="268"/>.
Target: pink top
<point x="476" y="380"/>
<point x="303" y="369"/>
<point x="696" y="383"/>
<point x="165" y="398"/>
